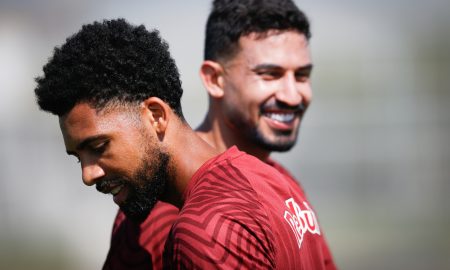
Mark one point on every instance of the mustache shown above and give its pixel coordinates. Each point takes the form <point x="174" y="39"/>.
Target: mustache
<point x="281" y="106"/>
<point x="106" y="184"/>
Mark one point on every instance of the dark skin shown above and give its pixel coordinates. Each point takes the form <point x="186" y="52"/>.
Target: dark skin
<point x="109" y="143"/>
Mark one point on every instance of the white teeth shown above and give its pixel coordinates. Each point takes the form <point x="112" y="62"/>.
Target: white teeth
<point x="281" y="117"/>
<point x="116" y="190"/>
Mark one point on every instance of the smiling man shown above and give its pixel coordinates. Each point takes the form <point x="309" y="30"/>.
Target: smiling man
<point x="108" y="161"/>
<point x="102" y="85"/>
<point x="116" y="91"/>
<point x="258" y="93"/>
<point x="256" y="70"/>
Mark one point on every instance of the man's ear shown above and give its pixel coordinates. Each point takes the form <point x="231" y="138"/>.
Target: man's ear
<point x="211" y="74"/>
<point x="157" y="113"/>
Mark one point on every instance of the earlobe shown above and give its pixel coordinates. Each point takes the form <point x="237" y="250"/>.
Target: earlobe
<point x="157" y="112"/>
<point x="211" y="74"/>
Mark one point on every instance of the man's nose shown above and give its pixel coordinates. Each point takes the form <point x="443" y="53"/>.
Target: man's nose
<point x="290" y="91"/>
<point x="91" y="173"/>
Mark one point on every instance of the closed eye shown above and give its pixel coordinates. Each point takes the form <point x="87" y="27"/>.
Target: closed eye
<point x="303" y="74"/>
<point x="98" y="147"/>
<point x="268" y="71"/>
<point x="269" y="75"/>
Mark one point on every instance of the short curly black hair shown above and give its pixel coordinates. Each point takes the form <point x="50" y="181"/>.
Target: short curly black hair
<point x="109" y="61"/>
<point x="231" y="19"/>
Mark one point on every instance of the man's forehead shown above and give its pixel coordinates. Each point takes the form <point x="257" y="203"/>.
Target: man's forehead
<point x="86" y="113"/>
<point x="275" y="47"/>
<point x="83" y="121"/>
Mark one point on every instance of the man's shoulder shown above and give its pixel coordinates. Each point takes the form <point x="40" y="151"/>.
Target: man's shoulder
<point x="287" y="175"/>
<point x="222" y="196"/>
<point x="281" y="169"/>
<point x="220" y="229"/>
<point x="222" y="221"/>
<point x="232" y="171"/>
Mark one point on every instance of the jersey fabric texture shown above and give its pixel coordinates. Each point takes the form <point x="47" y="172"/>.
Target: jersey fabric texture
<point x="240" y="213"/>
<point x="140" y="246"/>
<point x="137" y="246"/>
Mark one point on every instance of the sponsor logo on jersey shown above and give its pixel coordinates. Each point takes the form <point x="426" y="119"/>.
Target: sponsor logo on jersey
<point x="301" y="220"/>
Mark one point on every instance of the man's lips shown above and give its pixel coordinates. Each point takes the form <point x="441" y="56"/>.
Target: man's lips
<point x="281" y="122"/>
<point x="120" y="194"/>
<point x="284" y="117"/>
<point x="281" y="112"/>
<point x="107" y="187"/>
<point x="116" y="190"/>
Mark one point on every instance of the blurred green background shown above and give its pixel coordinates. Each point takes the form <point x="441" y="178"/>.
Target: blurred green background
<point x="373" y="154"/>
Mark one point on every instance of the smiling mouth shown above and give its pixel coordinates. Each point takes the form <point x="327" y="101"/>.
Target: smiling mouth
<point x="109" y="186"/>
<point x="282" y="121"/>
<point x="281" y="117"/>
<point x="116" y="190"/>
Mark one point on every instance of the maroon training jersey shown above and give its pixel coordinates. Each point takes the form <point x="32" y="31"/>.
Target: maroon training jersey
<point x="328" y="258"/>
<point x="137" y="246"/>
<point x="240" y="213"/>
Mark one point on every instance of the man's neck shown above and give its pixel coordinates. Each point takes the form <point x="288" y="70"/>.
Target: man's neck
<point x="218" y="135"/>
<point x="188" y="153"/>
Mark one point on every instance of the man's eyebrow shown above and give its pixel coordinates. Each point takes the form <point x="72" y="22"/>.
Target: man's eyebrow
<point x="273" y="66"/>
<point x="306" y="67"/>
<point x="83" y="144"/>
<point x="266" y="66"/>
<point x="305" y="70"/>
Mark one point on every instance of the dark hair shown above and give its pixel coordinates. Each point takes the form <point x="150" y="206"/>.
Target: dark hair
<point x="231" y="19"/>
<point x="107" y="62"/>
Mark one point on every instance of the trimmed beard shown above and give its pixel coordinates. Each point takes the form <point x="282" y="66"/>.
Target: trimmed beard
<point x="282" y="143"/>
<point x="147" y="186"/>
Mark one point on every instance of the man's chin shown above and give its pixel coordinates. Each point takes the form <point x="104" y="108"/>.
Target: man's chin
<point x="280" y="142"/>
<point x="278" y="147"/>
<point x="137" y="211"/>
<point x="136" y="216"/>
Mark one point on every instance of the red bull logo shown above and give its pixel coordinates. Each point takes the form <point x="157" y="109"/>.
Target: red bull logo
<point x="301" y="220"/>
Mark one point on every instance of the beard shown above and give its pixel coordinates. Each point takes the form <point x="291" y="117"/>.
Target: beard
<point x="145" y="186"/>
<point x="271" y="140"/>
<point x="283" y="141"/>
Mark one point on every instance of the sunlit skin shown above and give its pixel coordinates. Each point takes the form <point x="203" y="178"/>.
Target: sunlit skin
<point x="260" y="93"/>
<point x="112" y="144"/>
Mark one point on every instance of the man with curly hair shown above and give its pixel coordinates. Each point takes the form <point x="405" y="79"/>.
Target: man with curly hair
<point x="116" y="92"/>
<point x="256" y="70"/>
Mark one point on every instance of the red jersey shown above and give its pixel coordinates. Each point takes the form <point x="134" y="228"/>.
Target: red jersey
<point x="240" y="213"/>
<point x="327" y="257"/>
<point x="140" y="246"/>
<point x="137" y="246"/>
